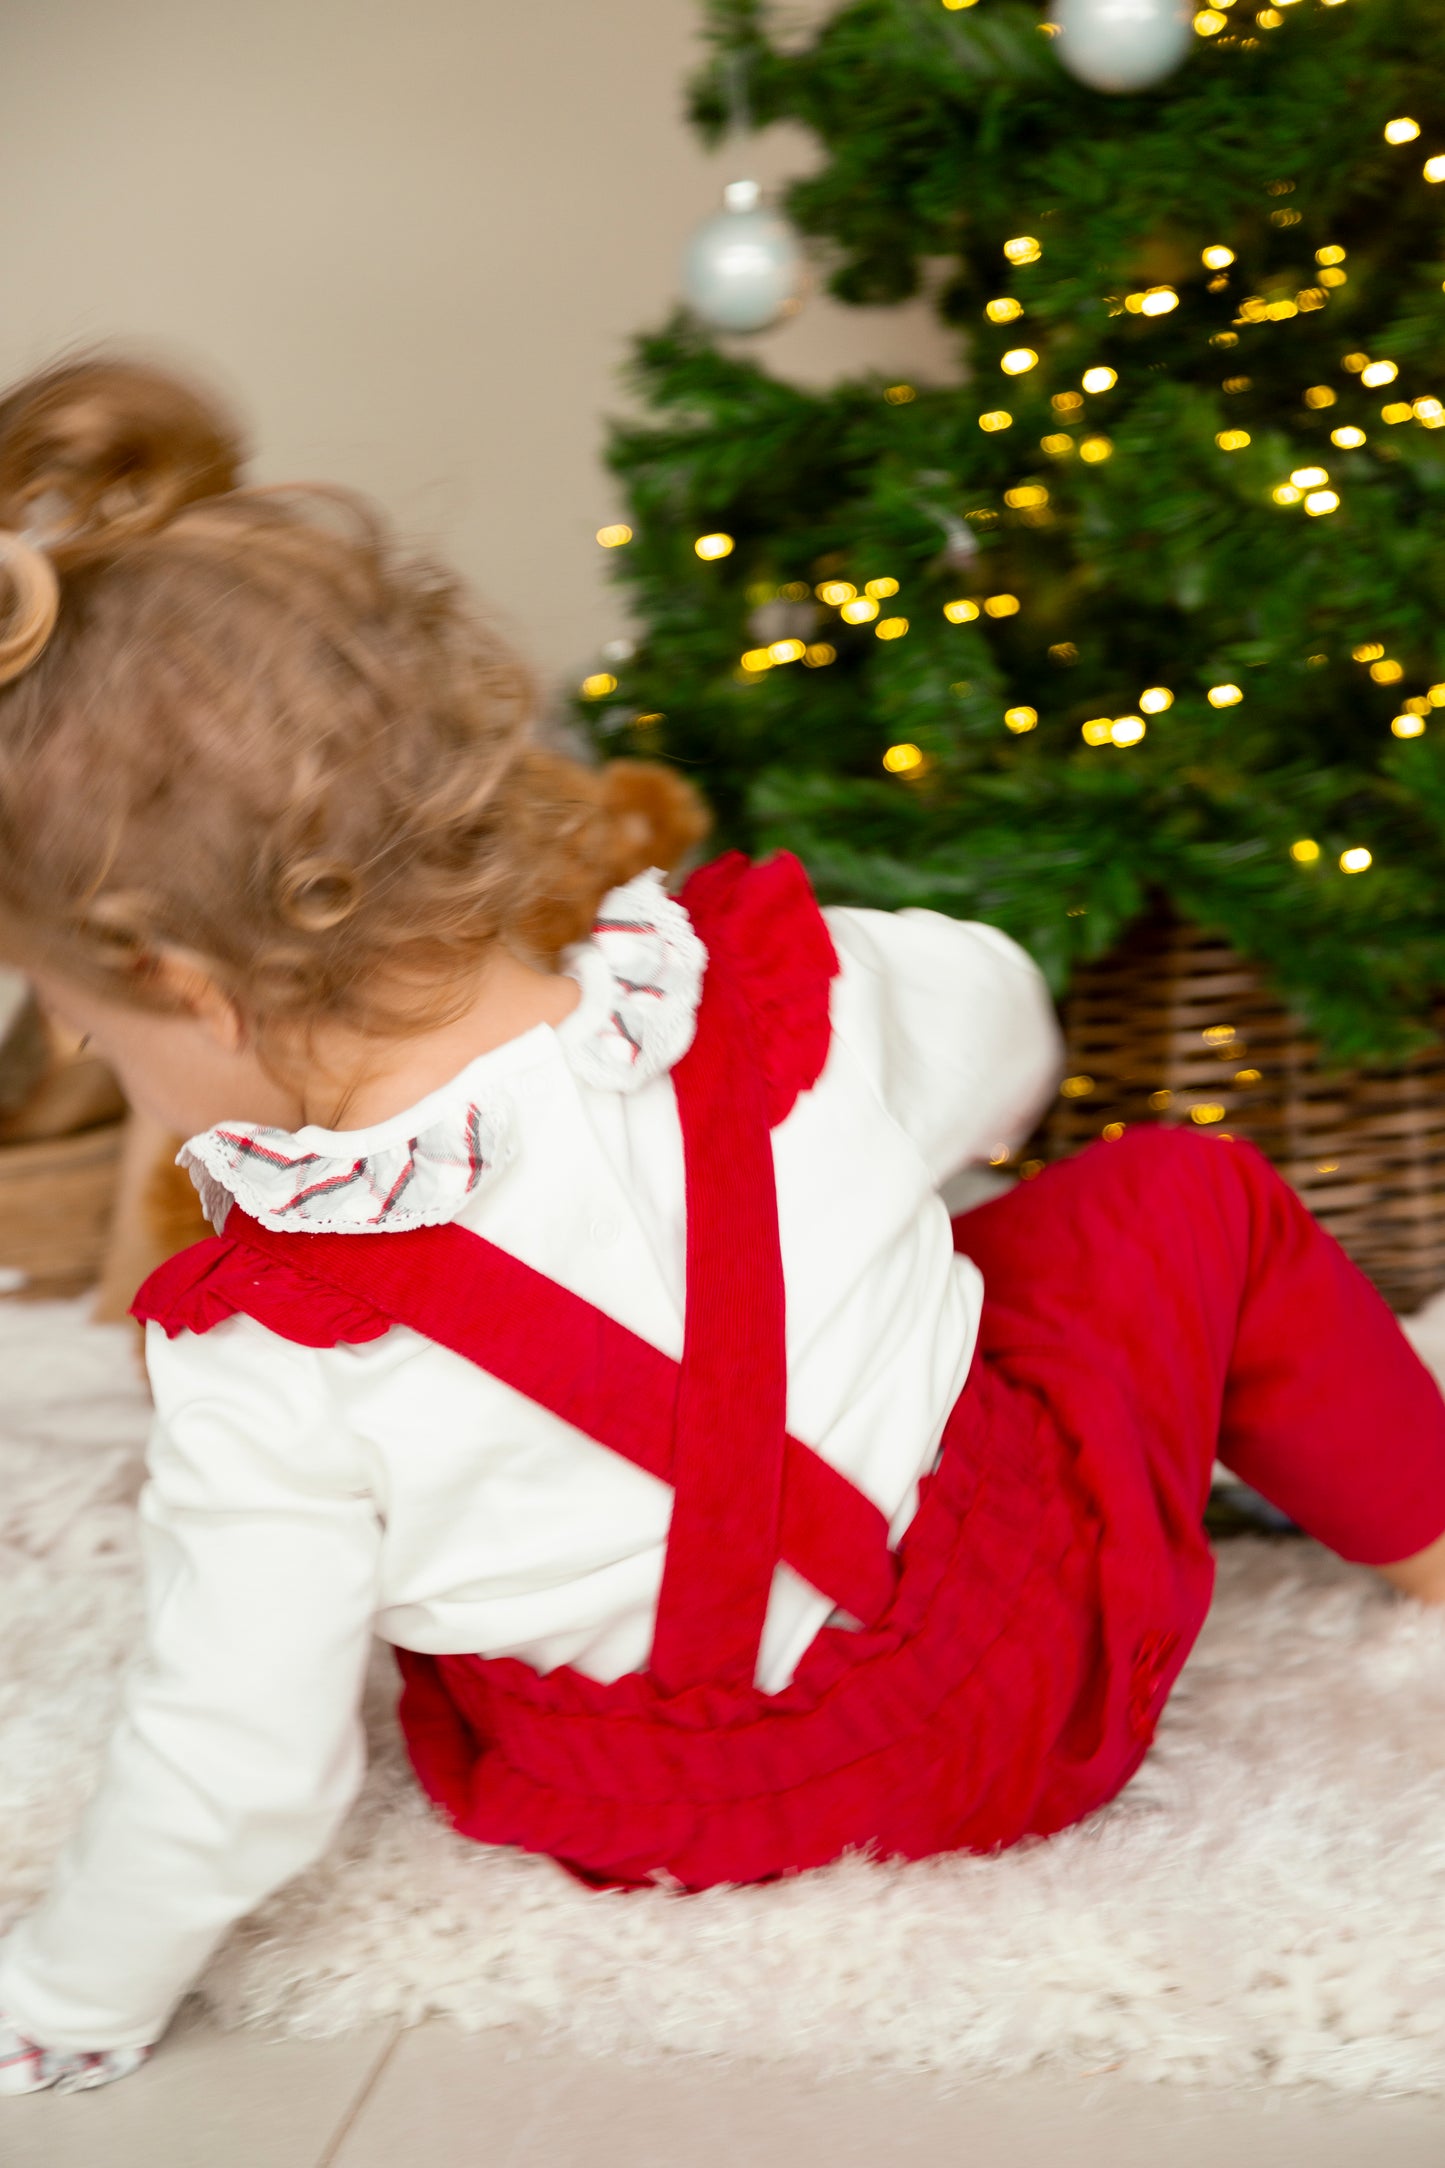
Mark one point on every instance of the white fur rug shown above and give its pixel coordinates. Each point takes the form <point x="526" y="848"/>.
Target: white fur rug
<point x="1266" y="1902"/>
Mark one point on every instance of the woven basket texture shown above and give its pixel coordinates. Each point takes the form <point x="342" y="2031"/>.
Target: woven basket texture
<point x="56" y="1199"/>
<point x="1175" y="1026"/>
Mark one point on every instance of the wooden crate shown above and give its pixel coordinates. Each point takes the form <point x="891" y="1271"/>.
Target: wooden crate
<point x="1175" y="1026"/>
<point x="56" y="1205"/>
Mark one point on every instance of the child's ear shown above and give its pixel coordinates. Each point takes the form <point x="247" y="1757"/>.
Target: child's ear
<point x="185" y="984"/>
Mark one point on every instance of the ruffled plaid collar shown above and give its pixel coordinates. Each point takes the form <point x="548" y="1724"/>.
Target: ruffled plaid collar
<point x="641" y="979"/>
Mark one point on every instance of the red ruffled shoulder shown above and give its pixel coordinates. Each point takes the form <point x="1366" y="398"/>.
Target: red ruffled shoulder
<point x="763" y="921"/>
<point x="226" y="1277"/>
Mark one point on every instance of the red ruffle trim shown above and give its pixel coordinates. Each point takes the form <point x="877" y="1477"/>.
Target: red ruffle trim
<point x="765" y="923"/>
<point x="224" y="1277"/>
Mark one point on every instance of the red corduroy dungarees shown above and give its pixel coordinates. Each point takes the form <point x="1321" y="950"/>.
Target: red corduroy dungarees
<point x="1149" y="1303"/>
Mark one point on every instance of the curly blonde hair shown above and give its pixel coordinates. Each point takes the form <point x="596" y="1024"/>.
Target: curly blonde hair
<point x="239" y="723"/>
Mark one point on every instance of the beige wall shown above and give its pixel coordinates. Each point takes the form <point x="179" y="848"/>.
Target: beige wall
<point x="411" y="237"/>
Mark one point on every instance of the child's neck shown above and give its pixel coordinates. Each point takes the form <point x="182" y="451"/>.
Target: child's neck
<point x="354" y="1083"/>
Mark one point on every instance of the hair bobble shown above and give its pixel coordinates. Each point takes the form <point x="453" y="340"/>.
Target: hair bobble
<point x="34" y="603"/>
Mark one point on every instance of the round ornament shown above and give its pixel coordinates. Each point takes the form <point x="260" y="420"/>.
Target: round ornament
<point x="743" y="269"/>
<point x="1122" y="44"/>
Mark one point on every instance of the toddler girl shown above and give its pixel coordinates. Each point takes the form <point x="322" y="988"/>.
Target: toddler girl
<point x="591" y="1328"/>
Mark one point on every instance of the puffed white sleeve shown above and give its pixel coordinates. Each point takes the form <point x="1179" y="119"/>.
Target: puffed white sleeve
<point x="239" y="1745"/>
<point x="954" y="1024"/>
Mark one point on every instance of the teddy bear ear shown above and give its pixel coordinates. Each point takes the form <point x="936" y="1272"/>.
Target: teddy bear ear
<point x="659" y="817"/>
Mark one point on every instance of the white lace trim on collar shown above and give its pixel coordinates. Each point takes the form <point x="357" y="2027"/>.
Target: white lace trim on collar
<point x="641" y="979"/>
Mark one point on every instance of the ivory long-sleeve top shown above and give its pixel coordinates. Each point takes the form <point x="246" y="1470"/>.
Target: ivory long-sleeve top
<point x="300" y="1500"/>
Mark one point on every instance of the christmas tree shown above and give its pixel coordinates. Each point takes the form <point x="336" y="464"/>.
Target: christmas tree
<point x="1150" y="606"/>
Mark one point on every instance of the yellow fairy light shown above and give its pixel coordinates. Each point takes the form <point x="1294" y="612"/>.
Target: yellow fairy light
<point x="819" y="655"/>
<point x="1408" y="726"/>
<point x="1376" y="373"/>
<point x="1428" y="411"/>
<point x="900" y="394"/>
<point x="903" y="759"/>
<point x="1354" y="362"/>
<point x="1356" y="860"/>
<point x="599" y="685"/>
<point x="1320" y="395"/>
<point x="1026" y="495"/>
<point x="960" y="612"/>
<point x="1402" y="130"/>
<point x="1232" y="440"/>
<point x="1067" y="402"/>
<point x="996" y="420"/>
<point x="1417" y="704"/>
<point x="613" y="537"/>
<point x="1348" y="438"/>
<point x="1388" y="672"/>
<point x="1004" y="311"/>
<point x="1207" y="1110"/>
<point x="1224" y="696"/>
<point x="1269" y="18"/>
<point x="1127" y="729"/>
<point x="787" y="650"/>
<point x="1058" y="446"/>
<point x="1018" y="359"/>
<point x="1209" y="22"/>
<point x="1111" y="1132"/>
<point x="757" y="659"/>
<point x="1368" y="651"/>
<point x="1019" y="720"/>
<point x="1334" y="277"/>
<point x="1309" y="477"/>
<point x="880" y="589"/>
<point x="1023" y="249"/>
<point x="1286" y="493"/>
<point x="1305" y="852"/>
<point x="1154" y="301"/>
<point x="835" y="592"/>
<point x="1332" y="253"/>
<point x="860" y="611"/>
<point x="1434" y="169"/>
<point x="1398" y="410"/>
<point x="1279" y="312"/>
<point x="1076" y="1087"/>
<point x="1100" y="379"/>
<point x="1095" y="449"/>
<point x="1216" y="257"/>
<point x="1436" y="696"/>
<point x="955" y="5"/>
<point x="1155" y="699"/>
<point x="891" y="628"/>
<point x="1098" y="730"/>
<point x="710" y="546"/>
<point x="1002" y="605"/>
<point x="1311" y="297"/>
<point x="1320" y="501"/>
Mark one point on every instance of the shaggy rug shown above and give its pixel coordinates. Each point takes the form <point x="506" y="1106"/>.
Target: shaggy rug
<point x="1265" y="1903"/>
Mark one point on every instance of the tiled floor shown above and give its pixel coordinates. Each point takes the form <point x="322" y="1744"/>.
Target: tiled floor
<point x="435" y="2098"/>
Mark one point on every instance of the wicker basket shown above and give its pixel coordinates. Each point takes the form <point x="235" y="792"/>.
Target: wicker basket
<point x="1175" y="1026"/>
<point x="56" y="1202"/>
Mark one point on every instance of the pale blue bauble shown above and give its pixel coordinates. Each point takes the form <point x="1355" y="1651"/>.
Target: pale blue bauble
<point x="1122" y="44"/>
<point x="743" y="268"/>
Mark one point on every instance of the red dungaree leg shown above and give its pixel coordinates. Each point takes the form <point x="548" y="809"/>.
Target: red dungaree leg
<point x="1233" y="1324"/>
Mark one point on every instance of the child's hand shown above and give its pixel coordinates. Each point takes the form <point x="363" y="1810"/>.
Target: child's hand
<point x="26" y="2068"/>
